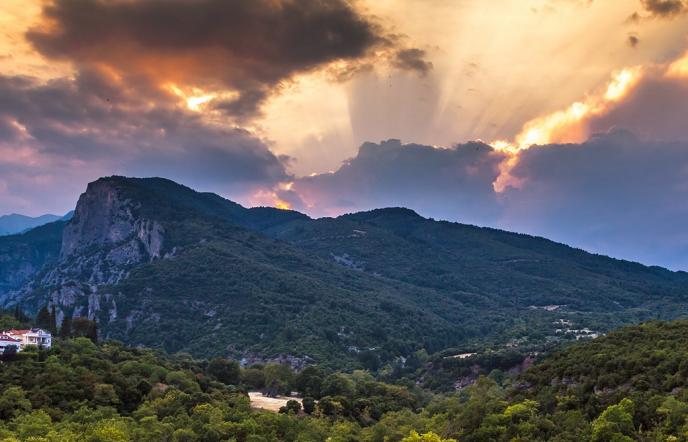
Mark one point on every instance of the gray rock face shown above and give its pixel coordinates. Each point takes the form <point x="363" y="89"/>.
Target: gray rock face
<point x="101" y="218"/>
<point x="100" y="245"/>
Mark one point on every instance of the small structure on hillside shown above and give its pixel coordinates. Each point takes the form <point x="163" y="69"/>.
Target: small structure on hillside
<point x="22" y="338"/>
<point x="8" y="341"/>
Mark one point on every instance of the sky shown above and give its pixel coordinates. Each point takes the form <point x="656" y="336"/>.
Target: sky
<point x="558" y="118"/>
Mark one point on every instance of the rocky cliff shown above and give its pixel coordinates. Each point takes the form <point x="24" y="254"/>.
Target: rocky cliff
<point x="99" y="246"/>
<point x="104" y="219"/>
<point x="158" y="264"/>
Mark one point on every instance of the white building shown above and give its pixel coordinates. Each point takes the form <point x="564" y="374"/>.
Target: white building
<point x="7" y="341"/>
<point x="34" y="336"/>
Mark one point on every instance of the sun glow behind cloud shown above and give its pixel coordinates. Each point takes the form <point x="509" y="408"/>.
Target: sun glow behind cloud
<point x="271" y="197"/>
<point x="679" y="68"/>
<point x="194" y="99"/>
<point x="565" y="126"/>
<point x="568" y="125"/>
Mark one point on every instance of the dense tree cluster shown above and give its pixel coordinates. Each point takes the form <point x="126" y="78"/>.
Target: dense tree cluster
<point x="627" y="386"/>
<point x="79" y="390"/>
<point x="46" y="319"/>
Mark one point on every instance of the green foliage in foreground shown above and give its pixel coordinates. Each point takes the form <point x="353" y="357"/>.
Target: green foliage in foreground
<point x="81" y="391"/>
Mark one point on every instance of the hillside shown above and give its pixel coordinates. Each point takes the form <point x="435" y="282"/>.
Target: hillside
<point x="23" y="255"/>
<point x="161" y="265"/>
<point x="637" y="361"/>
<point x="624" y="387"/>
<point x="507" y="268"/>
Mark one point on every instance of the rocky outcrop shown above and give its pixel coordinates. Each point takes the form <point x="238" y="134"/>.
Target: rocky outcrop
<point x="100" y="245"/>
<point x="104" y="218"/>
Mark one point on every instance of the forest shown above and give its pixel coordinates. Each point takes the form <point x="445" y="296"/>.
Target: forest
<point x="626" y="386"/>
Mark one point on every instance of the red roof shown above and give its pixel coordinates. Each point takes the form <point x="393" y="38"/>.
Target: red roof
<point x="8" y="338"/>
<point x="18" y="332"/>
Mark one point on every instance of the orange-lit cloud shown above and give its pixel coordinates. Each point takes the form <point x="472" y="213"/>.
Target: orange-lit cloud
<point x="569" y="125"/>
<point x="275" y="197"/>
<point x="244" y="49"/>
<point x="678" y="68"/>
<point x="194" y="99"/>
<point x="565" y="126"/>
<point x="577" y="122"/>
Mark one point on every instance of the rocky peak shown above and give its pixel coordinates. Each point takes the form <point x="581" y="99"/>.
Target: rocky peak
<point x="104" y="218"/>
<point x="106" y="238"/>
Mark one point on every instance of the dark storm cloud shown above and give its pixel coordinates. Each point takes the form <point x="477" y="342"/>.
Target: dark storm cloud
<point x="245" y="106"/>
<point x="435" y="181"/>
<point x="664" y="8"/>
<point x="75" y="130"/>
<point x="413" y="60"/>
<point x="247" y="46"/>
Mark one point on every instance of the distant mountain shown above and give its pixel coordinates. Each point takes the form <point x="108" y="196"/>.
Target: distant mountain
<point x="14" y="223"/>
<point x="161" y="265"/>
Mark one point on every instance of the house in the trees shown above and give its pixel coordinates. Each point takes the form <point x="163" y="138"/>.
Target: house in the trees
<point x="34" y="336"/>
<point x="8" y="341"/>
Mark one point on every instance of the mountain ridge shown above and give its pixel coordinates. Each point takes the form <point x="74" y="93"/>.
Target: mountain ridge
<point x="159" y="264"/>
<point x="16" y="223"/>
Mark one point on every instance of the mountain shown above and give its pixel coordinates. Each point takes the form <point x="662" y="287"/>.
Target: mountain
<point x="158" y="264"/>
<point x="22" y="256"/>
<point x="14" y="223"/>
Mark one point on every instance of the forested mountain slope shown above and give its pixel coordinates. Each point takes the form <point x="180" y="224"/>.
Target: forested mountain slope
<point x="159" y="264"/>
<point x="23" y="255"/>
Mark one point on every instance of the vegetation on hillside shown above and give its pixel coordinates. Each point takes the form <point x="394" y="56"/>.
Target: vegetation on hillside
<point x="628" y="386"/>
<point x="367" y="290"/>
<point x="23" y="254"/>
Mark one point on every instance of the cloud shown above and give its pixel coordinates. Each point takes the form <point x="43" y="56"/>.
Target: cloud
<point x="435" y="181"/>
<point x="247" y="47"/>
<point x="245" y="106"/>
<point x="664" y="8"/>
<point x="632" y="41"/>
<point x="650" y="99"/>
<point x="412" y="60"/>
<point x="67" y="132"/>
<point x="655" y="108"/>
<point x="614" y="194"/>
<point x="633" y="18"/>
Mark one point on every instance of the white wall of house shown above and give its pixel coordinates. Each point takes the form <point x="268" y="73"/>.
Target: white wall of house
<point x="7" y="341"/>
<point x="35" y="336"/>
